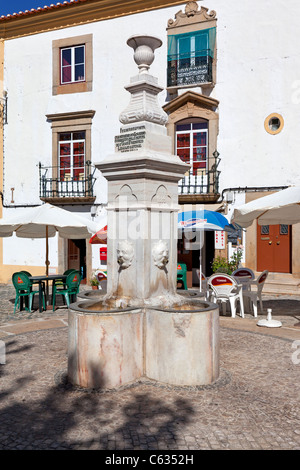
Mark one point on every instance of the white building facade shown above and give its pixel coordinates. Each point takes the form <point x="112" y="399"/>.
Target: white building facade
<point x="231" y="90"/>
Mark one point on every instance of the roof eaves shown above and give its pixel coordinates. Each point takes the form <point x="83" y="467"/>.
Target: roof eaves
<point x="39" y="10"/>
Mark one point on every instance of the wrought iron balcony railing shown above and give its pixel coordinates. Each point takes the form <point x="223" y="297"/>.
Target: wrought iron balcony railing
<point x="56" y="182"/>
<point x="205" y="182"/>
<point x="184" y="70"/>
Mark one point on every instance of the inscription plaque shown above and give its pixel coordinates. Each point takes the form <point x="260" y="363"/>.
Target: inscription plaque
<point x="130" y="139"/>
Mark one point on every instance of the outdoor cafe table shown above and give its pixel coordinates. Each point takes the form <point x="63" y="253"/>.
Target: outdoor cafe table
<point x="40" y="279"/>
<point x="244" y="280"/>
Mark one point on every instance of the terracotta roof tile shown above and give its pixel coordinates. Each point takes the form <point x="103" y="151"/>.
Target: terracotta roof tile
<point x="40" y="9"/>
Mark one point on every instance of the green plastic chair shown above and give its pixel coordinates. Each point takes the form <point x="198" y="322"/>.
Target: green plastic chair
<point x="181" y="274"/>
<point x="24" y="289"/>
<point x="75" y="287"/>
<point x="35" y="282"/>
<point x="26" y="272"/>
<point x="58" y="282"/>
<point x="68" y="271"/>
<point x="69" y="290"/>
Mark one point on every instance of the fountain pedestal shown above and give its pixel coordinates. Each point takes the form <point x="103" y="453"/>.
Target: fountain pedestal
<point x="142" y="327"/>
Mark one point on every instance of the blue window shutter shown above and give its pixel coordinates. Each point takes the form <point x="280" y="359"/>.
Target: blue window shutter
<point x="212" y="40"/>
<point x="172" y="47"/>
<point x="181" y="43"/>
<point x="184" y="48"/>
<point x="201" y="44"/>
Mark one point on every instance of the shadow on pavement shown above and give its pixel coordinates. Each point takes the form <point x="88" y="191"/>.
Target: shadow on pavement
<point x="62" y="418"/>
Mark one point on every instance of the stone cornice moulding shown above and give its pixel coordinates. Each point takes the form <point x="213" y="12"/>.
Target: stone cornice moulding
<point x="137" y="165"/>
<point x="192" y="15"/>
<point x="191" y="97"/>
<point x="75" y="14"/>
<point x="58" y="117"/>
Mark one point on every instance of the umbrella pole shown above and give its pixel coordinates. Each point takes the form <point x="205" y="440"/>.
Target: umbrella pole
<point x="47" y="252"/>
<point x="200" y="259"/>
<point x="47" y="266"/>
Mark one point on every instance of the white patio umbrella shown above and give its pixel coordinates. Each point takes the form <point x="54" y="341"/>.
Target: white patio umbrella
<point x="282" y="207"/>
<point x="45" y="221"/>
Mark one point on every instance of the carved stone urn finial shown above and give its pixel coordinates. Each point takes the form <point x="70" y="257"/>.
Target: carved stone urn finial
<point x="143" y="87"/>
<point x="144" y="47"/>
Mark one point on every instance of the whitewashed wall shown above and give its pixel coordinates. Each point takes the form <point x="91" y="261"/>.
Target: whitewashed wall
<point x="257" y="74"/>
<point x="28" y="80"/>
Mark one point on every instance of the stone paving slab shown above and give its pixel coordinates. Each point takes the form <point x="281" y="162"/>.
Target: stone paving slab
<point x="253" y="406"/>
<point x="243" y="324"/>
<point x="25" y="326"/>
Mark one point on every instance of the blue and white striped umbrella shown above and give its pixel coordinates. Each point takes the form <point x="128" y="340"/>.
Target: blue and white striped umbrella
<point x="200" y="221"/>
<point x="203" y="220"/>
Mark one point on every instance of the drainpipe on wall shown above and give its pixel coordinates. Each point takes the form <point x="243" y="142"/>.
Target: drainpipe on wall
<point x="15" y="205"/>
<point x="248" y="189"/>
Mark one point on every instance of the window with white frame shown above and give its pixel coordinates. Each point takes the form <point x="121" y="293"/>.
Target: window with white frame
<point x="72" y="64"/>
<point x="192" y="145"/>
<point x="71" y="152"/>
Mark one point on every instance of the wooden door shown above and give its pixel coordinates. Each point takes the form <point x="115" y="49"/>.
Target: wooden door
<point x="274" y="248"/>
<point x="73" y="256"/>
<point x="77" y="257"/>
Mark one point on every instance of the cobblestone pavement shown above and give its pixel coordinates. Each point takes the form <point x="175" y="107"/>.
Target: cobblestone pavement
<point x="254" y="404"/>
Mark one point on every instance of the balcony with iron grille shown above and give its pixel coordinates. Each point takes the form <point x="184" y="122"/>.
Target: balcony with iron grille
<point x="186" y="71"/>
<point x="62" y="186"/>
<point x="202" y="186"/>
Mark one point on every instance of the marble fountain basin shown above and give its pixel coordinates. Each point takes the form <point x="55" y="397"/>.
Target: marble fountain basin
<point x="110" y="346"/>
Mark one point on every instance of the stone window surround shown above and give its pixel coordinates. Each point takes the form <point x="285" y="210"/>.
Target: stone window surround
<point x="191" y="20"/>
<point x="192" y="105"/>
<point x="76" y="87"/>
<point x="71" y="122"/>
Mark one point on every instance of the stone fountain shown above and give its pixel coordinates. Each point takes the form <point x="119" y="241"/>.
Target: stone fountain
<point x="143" y="327"/>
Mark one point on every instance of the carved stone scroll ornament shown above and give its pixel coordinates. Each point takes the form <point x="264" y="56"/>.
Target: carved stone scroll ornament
<point x="192" y="10"/>
<point x="160" y="253"/>
<point x="125" y="254"/>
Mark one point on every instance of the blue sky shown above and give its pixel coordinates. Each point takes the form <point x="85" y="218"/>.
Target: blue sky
<point x="14" y="6"/>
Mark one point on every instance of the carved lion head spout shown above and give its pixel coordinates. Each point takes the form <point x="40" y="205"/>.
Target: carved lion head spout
<point x="160" y="253"/>
<point x="125" y="254"/>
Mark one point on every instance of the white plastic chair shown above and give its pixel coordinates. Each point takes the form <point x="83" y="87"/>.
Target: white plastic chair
<point x="204" y="284"/>
<point x="243" y="272"/>
<point x="243" y="276"/>
<point x="226" y="289"/>
<point x="255" y="295"/>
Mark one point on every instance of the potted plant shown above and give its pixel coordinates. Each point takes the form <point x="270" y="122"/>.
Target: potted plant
<point x="222" y="265"/>
<point x="94" y="282"/>
<point x="237" y="257"/>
